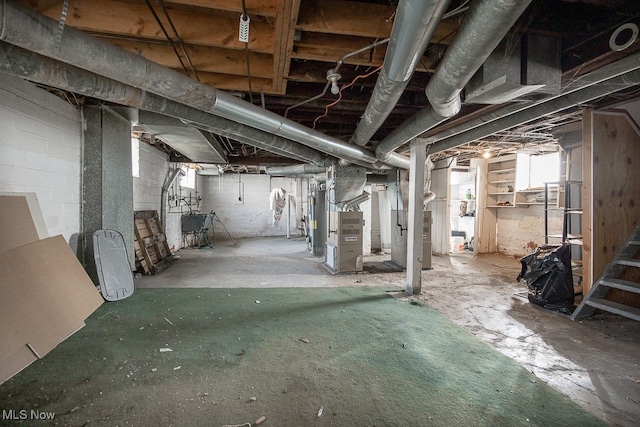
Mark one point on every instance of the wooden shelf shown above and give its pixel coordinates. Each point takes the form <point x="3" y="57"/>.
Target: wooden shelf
<point x="501" y="181"/>
<point x="505" y="170"/>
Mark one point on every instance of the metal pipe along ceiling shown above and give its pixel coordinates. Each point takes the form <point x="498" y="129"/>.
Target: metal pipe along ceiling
<point x="486" y="23"/>
<point x="414" y="25"/>
<point x="541" y="109"/>
<point x="29" y="30"/>
<point x="598" y="76"/>
<point x="295" y="170"/>
<point x="31" y="66"/>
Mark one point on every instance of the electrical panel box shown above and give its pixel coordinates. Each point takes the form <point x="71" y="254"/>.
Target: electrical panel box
<point x="343" y="252"/>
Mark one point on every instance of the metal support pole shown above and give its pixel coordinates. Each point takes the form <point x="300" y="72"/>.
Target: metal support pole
<point x="416" y="216"/>
<point x="288" y="216"/>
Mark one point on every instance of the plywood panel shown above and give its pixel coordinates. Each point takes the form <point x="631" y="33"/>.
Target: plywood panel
<point x="587" y="182"/>
<point x="615" y="178"/>
<point x="16" y="223"/>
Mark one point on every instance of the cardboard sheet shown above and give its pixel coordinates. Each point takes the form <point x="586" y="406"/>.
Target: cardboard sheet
<point x="45" y="293"/>
<point x="34" y="211"/>
<point x="16" y="224"/>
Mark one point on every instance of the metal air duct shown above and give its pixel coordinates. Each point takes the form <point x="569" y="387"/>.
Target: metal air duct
<point x="486" y="23"/>
<point x="295" y="170"/>
<point x="596" y="77"/>
<point x="28" y="65"/>
<point x="541" y="109"/>
<point x="414" y="25"/>
<point x="22" y="27"/>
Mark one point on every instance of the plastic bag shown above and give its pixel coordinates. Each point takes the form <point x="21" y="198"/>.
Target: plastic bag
<point x="547" y="274"/>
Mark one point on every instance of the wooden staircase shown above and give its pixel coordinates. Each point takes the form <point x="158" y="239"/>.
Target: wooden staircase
<point x="622" y="264"/>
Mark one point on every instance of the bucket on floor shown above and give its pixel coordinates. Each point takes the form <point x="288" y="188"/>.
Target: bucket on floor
<point x="457" y="244"/>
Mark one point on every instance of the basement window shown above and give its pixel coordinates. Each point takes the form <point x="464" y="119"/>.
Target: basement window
<point x="135" y="157"/>
<point x="544" y="168"/>
<point x="189" y="179"/>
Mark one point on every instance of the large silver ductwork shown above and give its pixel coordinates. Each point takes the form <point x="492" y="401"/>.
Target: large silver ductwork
<point x="31" y="31"/>
<point x="486" y="24"/>
<point x="600" y="76"/>
<point x="414" y="25"/>
<point x="28" y="65"/>
<point x="295" y="170"/>
<point x="540" y="109"/>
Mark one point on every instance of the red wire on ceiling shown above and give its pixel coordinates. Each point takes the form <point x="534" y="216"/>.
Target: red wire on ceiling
<point x="326" y="109"/>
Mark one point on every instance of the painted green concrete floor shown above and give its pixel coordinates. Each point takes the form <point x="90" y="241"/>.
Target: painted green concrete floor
<point x="349" y="356"/>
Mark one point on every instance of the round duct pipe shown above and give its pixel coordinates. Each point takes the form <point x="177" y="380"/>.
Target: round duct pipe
<point x="624" y="65"/>
<point x="413" y="27"/>
<point x="485" y="25"/>
<point x="428" y="197"/>
<point x="629" y="29"/>
<point x="539" y="110"/>
<point x="31" y="31"/>
<point x="295" y="170"/>
<point x="39" y="69"/>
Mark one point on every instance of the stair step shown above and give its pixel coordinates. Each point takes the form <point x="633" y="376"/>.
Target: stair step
<point x="634" y="242"/>
<point x="614" y="307"/>
<point x="624" y="285"/>
<point x="628" y="262"/>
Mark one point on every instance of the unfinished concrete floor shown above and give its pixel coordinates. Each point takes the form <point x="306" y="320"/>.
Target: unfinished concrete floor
<point x="596" y="362"/>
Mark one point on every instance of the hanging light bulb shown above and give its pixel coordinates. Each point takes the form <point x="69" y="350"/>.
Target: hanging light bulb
<point x="334" y="88"/>
<point x="487" y="153"/>
<point x="333" y="77"/>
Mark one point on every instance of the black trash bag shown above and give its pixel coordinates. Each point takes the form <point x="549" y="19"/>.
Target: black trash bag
<point x="547" y="273"/>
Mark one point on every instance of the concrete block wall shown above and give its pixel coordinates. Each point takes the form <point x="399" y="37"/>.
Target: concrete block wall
<point x="241" y="202"/>
<point x="147" y="192"/>
<point x="147" y="188"/>
<point x="40" y="152"/>
<point x="178" y="201"/>
<point x="521" y="230"/>
<point x="297" y="189"/>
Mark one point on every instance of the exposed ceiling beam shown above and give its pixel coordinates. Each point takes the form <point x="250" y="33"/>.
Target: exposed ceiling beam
<point x="284" y="36"/>
<point x="346" y="18"/>
<point x="254" y="7"/>
<point x="204" y="58"/>
<point x="135" y="19"/>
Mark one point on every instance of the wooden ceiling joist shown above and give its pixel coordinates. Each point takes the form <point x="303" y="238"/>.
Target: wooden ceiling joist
<point x="206" y="59"/>
<point x="136" y="20"/>
<point x="346" y="18"/>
